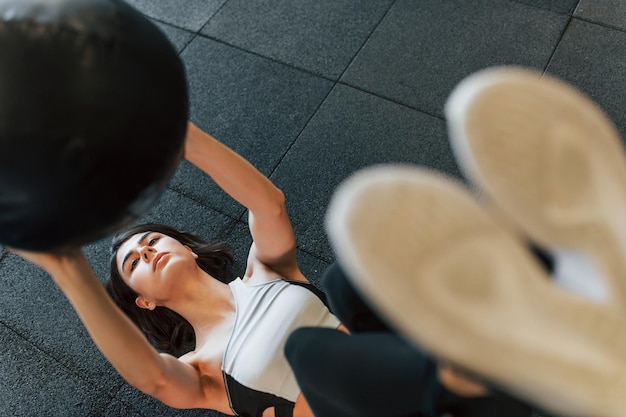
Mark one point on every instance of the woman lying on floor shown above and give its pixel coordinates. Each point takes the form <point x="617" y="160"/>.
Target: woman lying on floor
<point x="177" y="288"/>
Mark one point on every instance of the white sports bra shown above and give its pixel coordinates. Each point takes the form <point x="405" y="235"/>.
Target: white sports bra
<point x="255" y="368"/>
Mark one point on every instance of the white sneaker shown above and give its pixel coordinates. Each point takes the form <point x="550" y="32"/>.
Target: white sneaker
<point x="553" y="164"/>
<point x="453" y="280"/>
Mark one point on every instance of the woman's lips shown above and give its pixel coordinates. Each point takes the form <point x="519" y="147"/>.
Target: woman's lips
<point x="157" y="260"/>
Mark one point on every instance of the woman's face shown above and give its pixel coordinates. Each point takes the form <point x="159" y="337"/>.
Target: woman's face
<point x="150" y="263"/>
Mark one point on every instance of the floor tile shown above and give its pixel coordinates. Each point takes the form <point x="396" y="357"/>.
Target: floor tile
<point x="188" y="14"/>
<point x="254" y="105"/>
<point x="353" y="130"/>
<point x="312" y="267"/>
<point x="34" y="308"/>
<point x="320" y="36"/>
<point x="118" y="409"/>
<point x="179" y="38"/>
<point x="559" y="6"/>
<point x="593" y="58"/>
<point x="34" y="384"/>
<point x="608" y="12"/>
<point x="422" y="49"/>
<point x="135" y="401"/>
<point x="183" y="213"/>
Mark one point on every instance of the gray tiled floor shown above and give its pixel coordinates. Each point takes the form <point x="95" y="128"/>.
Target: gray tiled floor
<point x="417" y="54"/>
<point x="309" y="91"/>
<point x="593" y="57"/>
<point x="187" y="14"/>
<point x="603" y="12"/>
<point x="321" y="37"/>
<point x="34" y="384"/>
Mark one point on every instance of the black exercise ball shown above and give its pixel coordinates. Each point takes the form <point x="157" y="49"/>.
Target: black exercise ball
<point x="93" y="115"/>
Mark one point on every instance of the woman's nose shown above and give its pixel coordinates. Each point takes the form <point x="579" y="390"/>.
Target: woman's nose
<point x="146" y="252"/>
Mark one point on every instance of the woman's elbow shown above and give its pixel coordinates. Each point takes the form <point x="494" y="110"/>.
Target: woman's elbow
<point x="275" y="204"/>
<point x="279" y="197"/>
<point x="152" y="386"/>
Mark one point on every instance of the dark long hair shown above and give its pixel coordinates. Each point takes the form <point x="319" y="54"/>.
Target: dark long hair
<point x="167" y="330"/>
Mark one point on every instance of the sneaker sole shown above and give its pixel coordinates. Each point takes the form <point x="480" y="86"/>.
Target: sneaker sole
<point x="454" y="281"/>
<point x="550" y="160"/>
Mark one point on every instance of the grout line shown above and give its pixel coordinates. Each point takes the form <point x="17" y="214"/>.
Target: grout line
<point x="562" y="35"/>
<point x="368" y="38"/>
<point x="131" y="406"/>
<point x="306" y="71"/>
<point x="182" y="192"/>
<point x="338" y="80"/>
<point x="335" y="83"/>
<point x="314" y="255"/>
<point x="587" y="20"/>
<point x="601" y="24"/>
<point x="174" y="25"/>
<point x="269" y="58"/>
<point x="56" y="360"/>
<point x="299" y="134"/>
<point x="194" y="34"/>
<point x="558" y="43"/>
<point x="392" y="100"/>
<point x="545" y="8"/>
<point x="199" y="31"/>
<point x="212" y="16"/>
<point x="233" y="219"/>
<point x="292" y="66"/>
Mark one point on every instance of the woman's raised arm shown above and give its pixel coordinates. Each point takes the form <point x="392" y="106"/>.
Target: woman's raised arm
<point x="274" y="241"/>
<point x="120" y="341"/>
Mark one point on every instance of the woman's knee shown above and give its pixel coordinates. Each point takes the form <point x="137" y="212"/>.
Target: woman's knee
<point x="305" y="344"/>
<point x="335" y="282"/>
<point x="347" y="304"/>
<point x="342" y="297"/>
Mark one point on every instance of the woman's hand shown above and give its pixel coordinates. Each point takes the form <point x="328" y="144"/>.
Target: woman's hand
<point x="460" y="383"/>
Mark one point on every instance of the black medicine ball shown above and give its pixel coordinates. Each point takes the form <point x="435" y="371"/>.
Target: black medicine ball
<point x="93" y="115"/>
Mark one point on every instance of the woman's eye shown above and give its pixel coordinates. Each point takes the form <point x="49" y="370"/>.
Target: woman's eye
<point x="153" y="241"/>
<point x="133" y="264"/>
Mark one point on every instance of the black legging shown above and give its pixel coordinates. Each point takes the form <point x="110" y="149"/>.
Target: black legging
<point x="373" y="372"/>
